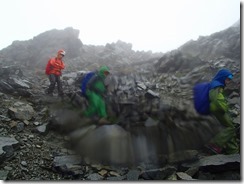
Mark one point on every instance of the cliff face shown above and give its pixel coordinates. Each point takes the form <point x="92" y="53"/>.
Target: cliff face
<point x="34" y="53"/>
<point x="221" y="49"/>
<point x="224" y="43"/>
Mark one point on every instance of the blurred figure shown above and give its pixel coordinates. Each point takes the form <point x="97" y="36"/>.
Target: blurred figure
<point x="95" y="93"/>
<point x="54" y="69"/>
<point x="226" y="139"/>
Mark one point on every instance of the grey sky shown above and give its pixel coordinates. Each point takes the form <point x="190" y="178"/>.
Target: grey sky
<point x="156" y="25"/>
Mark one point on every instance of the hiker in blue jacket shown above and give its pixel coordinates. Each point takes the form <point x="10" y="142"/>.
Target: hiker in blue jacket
<point x="226" y="138"/>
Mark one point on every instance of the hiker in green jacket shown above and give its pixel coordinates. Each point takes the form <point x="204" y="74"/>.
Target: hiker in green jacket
<point x="226" y="138"/>
<point x="96" y="90"/>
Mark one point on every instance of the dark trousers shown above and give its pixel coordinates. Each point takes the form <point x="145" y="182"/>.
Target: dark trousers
<point x="53" y="80"/>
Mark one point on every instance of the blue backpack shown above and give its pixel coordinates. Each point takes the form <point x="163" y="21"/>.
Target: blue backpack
<point x="85" y="81"/>
<point x="201" y="98"/>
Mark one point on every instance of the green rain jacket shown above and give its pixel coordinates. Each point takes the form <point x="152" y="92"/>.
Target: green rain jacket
<point x="219" y="106"/>
<point x="218" y="102"/>
<point x="95" y="94"/>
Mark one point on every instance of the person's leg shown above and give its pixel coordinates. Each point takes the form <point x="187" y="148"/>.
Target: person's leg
<point x="223" y="137"/>
<point x="52" y="80"/>
<point x="232" y="146"/>
<point x="92" y="104"/>
<point x="96" y="106"/>
<point x="102" y="112"/>
<point x="226" y="138"/>
<point x="60" y="87"/>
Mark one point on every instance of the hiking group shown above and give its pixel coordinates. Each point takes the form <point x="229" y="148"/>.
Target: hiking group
<point x="209" y="99"/>
<point x="92" y="86"/>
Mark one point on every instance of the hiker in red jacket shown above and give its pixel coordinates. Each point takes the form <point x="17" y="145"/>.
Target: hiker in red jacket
<point x="54" y="69"/>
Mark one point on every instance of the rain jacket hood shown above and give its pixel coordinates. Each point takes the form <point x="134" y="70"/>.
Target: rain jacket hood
<point x="102" y="70"/>
<point x="219" y="79"/>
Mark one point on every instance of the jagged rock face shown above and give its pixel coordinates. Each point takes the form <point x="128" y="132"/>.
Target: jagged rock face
<point x="177" y="61"/>
<point x="118" y="56"/>
<point x="37" y="51"/>
<point x="224" y="43"/>
<point x="221" y="49"/>
<point x="50" y="42"/>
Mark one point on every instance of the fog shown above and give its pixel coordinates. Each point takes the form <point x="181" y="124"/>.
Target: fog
<point x="154" y="25"/>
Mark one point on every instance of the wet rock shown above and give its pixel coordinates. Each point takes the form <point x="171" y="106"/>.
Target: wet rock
<point x="151" y="94"/>
<point x="3" y="175"/>
<point x="7" y="147"/>
<point x="112" y="139"/>
<point x="228" y="176"/>
<point x="7" y="168"/>
<point x="150" y="122"/>
<point x="103" y="172"/>
<point x="21" y="111"/>
<point x="65" y="120"/>
<point x="192" y="171"/>
<point x="118" y="178"/>
<point x="36" y="123"/>
<point x="19" y="127"/>
<point x="234" y="101"/>
<point x="94" y="177"/>
<point x="237" y="120"/>
<point x="26" y="122"/>
<point x="217" y="163"/>
<point x="78" y="134"/>
<point x="43" y="129"/>
<point x="68" y="164"/>
<point x="24" y="163"/>
<point x="183" y="176"/>
<point x="188" y="155"/>
<point x="18" y="83"/>
<point x="4" y="118"/>
<point x="158" y="174"/>
<point x="133" y="175"/>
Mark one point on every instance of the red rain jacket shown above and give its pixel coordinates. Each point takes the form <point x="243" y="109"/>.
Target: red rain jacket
<point x="54" y="66"/>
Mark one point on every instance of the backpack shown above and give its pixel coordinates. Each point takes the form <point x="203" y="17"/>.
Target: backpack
<point x="85" y="81"/>
<point x="201" y="98"/>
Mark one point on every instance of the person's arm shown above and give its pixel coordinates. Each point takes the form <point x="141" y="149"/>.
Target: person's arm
<point x="57" y="64"/>
<point x="220" y="100"/>
<point x="62" y="65"/>
<point x="98" y="87"/>
<point x="48" y="68"/>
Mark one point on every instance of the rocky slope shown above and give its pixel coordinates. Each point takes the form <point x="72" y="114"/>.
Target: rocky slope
<point x="221" y="49"/>
<point x="33" y="54"/>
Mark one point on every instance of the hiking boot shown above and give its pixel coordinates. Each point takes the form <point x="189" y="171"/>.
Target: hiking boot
<point x="103" y="121"/>
<point x="49" y="94"/>
<point x="86" y="121"/>
<point x="214" y="148"/>
<point x="61" y="94"/>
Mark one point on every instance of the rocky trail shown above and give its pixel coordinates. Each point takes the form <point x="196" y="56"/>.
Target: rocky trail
<point x="151" y="137"/>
